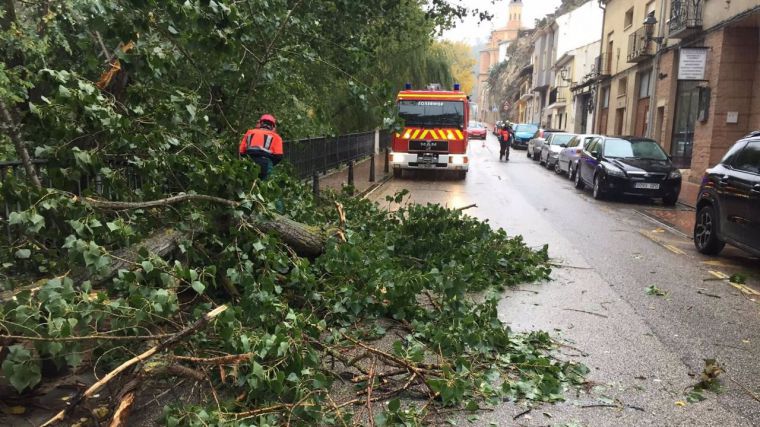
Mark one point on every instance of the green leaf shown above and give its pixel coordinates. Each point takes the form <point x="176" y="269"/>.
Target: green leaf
<point x="23" y="253"/>
<point x="198" y="287"/>
<point x="147" y="266"/>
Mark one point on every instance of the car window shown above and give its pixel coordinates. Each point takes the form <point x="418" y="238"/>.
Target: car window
<point x="587" y="141"/>
<point x="748" y="159"/>
<point x="644" y="149"/>
<point x="548" y="136"/>
<point x="593" y="145"/>
<point x="526" y="128"/>
<point x="574" y="142"/>
<point x="728" y="159"/>
<point x="560" y="139"/>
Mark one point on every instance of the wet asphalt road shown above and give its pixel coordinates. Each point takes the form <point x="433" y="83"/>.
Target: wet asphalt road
<point x="643" y="350"/>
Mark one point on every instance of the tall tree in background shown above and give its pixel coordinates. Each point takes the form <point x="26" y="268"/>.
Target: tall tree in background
<point x="462" y="63"/>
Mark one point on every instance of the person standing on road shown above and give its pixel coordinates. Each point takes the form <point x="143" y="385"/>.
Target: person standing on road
<point x="263" y="145"/>
<point x="506" y="136"/>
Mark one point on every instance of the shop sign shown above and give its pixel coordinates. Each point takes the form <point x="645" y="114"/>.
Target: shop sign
<point x="692" y="63"/>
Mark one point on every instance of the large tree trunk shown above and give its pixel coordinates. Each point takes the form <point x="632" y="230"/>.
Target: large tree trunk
<point x="305" y="240"/>
<point x="13" y="132"/>
<point x="161" y="243"/>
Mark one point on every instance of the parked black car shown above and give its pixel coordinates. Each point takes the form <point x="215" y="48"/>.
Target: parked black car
<point x="728" y="205"/>
<point x="628" y="165"/>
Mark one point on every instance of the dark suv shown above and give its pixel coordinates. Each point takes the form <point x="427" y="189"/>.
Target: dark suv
<point x="728" y="205"/>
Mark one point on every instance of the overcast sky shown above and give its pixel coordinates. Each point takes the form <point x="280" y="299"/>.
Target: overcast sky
<point x="472" y="32"/>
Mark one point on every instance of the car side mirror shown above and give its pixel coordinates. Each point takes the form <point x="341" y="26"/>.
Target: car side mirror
<point x="595" y="154"/>
<point x="563" y="145"/>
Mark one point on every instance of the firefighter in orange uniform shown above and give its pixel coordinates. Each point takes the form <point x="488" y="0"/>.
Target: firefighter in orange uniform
<point x="263" y="145"/>
<point x="506" y="137"/>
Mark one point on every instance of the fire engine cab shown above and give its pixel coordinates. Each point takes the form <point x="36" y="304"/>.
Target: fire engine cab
<point x="434" y="136"/>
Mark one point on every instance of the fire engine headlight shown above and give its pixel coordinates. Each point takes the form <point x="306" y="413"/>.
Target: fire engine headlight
<point x="397" y="158"/>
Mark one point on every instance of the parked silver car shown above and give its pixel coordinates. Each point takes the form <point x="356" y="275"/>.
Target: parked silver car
<point x="535" y="144"/>
<point x="568" y="157"/>
<point x="549" y="156"/>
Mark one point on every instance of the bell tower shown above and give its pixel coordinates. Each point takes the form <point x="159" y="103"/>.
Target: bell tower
<point x="514" y="20"/>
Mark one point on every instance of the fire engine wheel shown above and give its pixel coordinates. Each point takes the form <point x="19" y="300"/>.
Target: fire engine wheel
<point x="397" y="172"/>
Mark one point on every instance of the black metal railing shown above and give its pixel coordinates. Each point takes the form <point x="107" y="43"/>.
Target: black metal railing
<point x="639" y="46"/>
<point x="123" y="181"/>
<point x="318" y="155"/>
<point x="685" y="17"/>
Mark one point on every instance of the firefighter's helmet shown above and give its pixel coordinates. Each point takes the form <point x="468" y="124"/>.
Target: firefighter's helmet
<point x="268" y="118"/>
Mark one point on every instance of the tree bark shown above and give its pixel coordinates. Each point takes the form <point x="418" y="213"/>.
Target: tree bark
<point x="18" y="143"/>
<point x="305" y="240"/>
<point x="10" y="14"/>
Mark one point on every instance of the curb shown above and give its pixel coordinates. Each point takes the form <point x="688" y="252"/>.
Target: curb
<point x="663" y="224"/>
<point x="372" y="188"/>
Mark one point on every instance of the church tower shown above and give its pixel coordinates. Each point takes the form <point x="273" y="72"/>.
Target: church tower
<point x="514" y="20"/>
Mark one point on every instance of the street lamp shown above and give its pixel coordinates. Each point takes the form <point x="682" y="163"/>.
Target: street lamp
<point x="649" y="22"/>
<point x="563" y="74"/>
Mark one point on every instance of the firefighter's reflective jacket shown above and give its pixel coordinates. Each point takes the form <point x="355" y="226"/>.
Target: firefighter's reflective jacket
<point x="261" y="142"/>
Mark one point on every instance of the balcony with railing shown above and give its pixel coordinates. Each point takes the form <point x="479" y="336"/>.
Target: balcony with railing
<point x="639" y="47"/>
<point x="685" y="18"/>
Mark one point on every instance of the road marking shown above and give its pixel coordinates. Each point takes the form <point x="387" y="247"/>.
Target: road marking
<point x="674" y="249"/>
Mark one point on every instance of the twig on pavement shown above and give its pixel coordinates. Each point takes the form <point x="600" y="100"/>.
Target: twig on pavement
<point x="525" y="412"/>
<point x="587" y="312"/>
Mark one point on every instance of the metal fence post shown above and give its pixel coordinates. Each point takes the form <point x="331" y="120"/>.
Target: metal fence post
<point x="350" y="172"/>
<point x="386" y="167"/>
<point x="372" y="168"/>
<point x="315" y="183"/>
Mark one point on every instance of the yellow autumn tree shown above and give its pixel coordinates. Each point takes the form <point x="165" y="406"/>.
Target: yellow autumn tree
<point x="462" y="63"/>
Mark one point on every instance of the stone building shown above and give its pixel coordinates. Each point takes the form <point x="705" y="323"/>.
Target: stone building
<point x="494" y="53"/>
<point x="700" y="63"/>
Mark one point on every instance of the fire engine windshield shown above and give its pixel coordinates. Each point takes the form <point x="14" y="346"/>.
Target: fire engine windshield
<point x="432" y="113"/>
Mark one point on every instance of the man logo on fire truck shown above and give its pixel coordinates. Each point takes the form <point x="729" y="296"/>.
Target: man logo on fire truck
<point x="434" y="135"/>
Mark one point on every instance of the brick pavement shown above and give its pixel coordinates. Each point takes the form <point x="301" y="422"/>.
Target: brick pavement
<point x="337" y="179"/>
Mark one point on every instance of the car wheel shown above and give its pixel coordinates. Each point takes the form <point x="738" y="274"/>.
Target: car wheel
<point x="578" y="180"/>
<point x="706" y="232"/>
<point x="570" y="172"/>
<point x="597" y="192"/>
<point x="670" y="199"/>
<point x="548" y="165"/>
<point x="540" y="159"/>
<point x="557" y="168"/>
<point x="527" y="153"/>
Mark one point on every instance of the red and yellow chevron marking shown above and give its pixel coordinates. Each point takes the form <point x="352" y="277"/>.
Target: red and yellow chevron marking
<point x="437" y="133"/>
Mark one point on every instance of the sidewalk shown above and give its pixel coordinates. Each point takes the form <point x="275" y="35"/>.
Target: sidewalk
<point x="339" y="178"/>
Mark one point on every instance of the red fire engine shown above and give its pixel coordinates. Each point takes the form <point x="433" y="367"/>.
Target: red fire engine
<point x="435" y="131"/>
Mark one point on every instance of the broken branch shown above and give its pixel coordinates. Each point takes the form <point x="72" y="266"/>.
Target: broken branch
<point x="202" y="322"/>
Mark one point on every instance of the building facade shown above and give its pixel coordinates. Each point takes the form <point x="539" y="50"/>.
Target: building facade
<point x="556" y="45"/>
<point x="698" y="66"/>
<point x="494" y="53"/>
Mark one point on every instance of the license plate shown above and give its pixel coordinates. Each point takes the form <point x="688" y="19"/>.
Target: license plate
<point x="427" y="159"/>
<point x="646" y="186"/>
